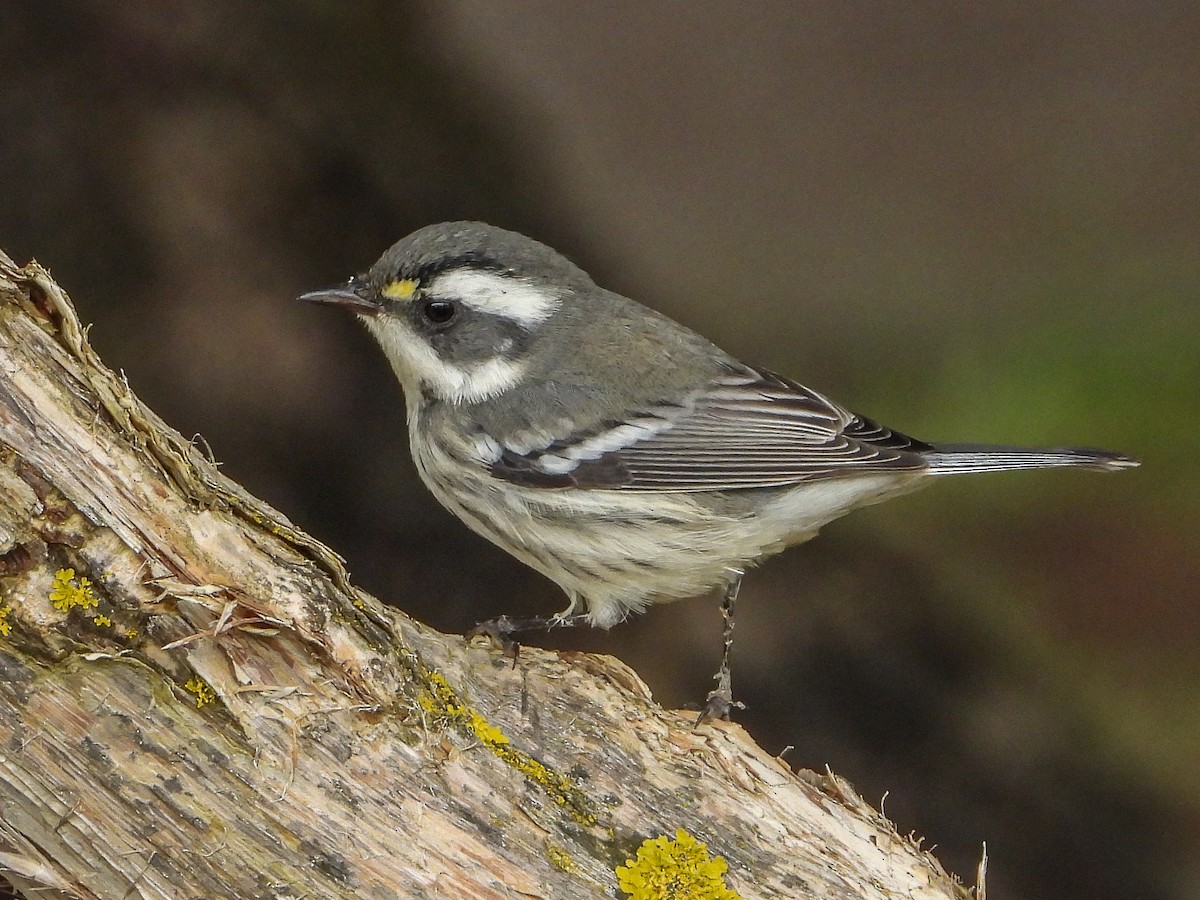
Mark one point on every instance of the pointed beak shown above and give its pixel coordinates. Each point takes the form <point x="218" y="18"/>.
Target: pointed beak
<point x="346" y="297"/>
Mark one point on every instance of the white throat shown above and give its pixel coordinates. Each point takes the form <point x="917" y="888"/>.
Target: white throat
<point x="418" y="366"/>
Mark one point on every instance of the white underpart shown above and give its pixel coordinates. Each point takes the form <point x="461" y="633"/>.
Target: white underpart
<point x="619" y="551"/>
<point x="494" y="294"/>
<point x="798" y="513"/>
<point x="416" y="364"/>
<point x="591" y="542"/>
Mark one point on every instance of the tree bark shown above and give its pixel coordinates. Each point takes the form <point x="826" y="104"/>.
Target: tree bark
<point x="196" y="702"/>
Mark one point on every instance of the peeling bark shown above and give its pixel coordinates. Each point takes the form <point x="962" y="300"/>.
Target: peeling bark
<point x="232" y="718"/>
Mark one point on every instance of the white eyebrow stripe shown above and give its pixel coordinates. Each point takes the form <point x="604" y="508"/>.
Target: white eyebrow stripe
<point x="495" y="294"/>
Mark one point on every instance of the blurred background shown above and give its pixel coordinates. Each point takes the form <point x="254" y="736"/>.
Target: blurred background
<point x="970" y="221"/>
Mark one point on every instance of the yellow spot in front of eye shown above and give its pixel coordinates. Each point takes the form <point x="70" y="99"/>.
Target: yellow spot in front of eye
<point x="403" y="289"/>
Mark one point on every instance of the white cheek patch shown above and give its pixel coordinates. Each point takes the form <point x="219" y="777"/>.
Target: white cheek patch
<point x="417" y="365"/>
<point x="497" y="295"/>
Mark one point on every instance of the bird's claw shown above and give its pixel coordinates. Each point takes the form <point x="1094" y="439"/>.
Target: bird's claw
<point x="718" y="705"/>
<point x="499" y="633"/>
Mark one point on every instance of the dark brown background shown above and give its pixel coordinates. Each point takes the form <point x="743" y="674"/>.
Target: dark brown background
<point x="970" y="221"/>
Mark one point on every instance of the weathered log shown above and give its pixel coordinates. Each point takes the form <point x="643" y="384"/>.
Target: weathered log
<point x="196" y="702"/>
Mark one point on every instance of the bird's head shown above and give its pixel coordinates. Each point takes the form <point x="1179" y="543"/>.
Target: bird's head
<point x="458" y="308"/>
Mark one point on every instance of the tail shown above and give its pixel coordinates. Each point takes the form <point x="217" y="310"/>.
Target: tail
<point x="955" y="459"/>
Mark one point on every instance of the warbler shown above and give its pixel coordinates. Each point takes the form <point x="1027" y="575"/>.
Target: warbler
<point x="617" y="452"/>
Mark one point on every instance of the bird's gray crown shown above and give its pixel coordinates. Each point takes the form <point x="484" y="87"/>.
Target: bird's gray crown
<point x="474" y="245"/>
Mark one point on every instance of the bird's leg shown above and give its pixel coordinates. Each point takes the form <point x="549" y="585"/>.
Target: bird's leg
<point x="501" y="629"/>
<point x="720" y="702"/>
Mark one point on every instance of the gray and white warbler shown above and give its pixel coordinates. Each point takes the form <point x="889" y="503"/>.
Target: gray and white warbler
<point x="620" y="454"/>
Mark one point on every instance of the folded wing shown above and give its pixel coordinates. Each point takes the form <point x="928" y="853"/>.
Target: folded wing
<point x="747" y="429"/>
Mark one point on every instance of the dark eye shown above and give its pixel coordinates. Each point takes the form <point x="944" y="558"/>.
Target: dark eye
<point x="439" y="312"/>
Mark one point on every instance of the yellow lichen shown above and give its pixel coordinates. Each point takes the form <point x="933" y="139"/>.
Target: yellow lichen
<point x="561" y="859"/>
<point x="678" y="869"/>
<point x="204" y="694"/>
<point x="440" y="701"/>
<point x="484" y="730"/>
<point x="131" y="632"/>
<point x="68" y="592"/>
<point x="102" y="621"/>
<point x="5" y="625"/>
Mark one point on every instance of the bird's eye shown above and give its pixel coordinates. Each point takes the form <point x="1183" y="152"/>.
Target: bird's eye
<point x="439" y="312"/>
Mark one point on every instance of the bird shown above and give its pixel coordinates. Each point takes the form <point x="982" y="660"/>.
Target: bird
<point x="612" y="449"/>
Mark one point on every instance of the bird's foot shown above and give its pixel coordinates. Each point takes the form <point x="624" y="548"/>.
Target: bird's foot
<point x="718" y="705"/>
<point x="499" y="632"/>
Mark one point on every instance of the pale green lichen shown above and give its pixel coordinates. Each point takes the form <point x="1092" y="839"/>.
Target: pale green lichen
<point x="204" y="694"/>
<point x="678" y="869"/>
<point x="68" y="592"/>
